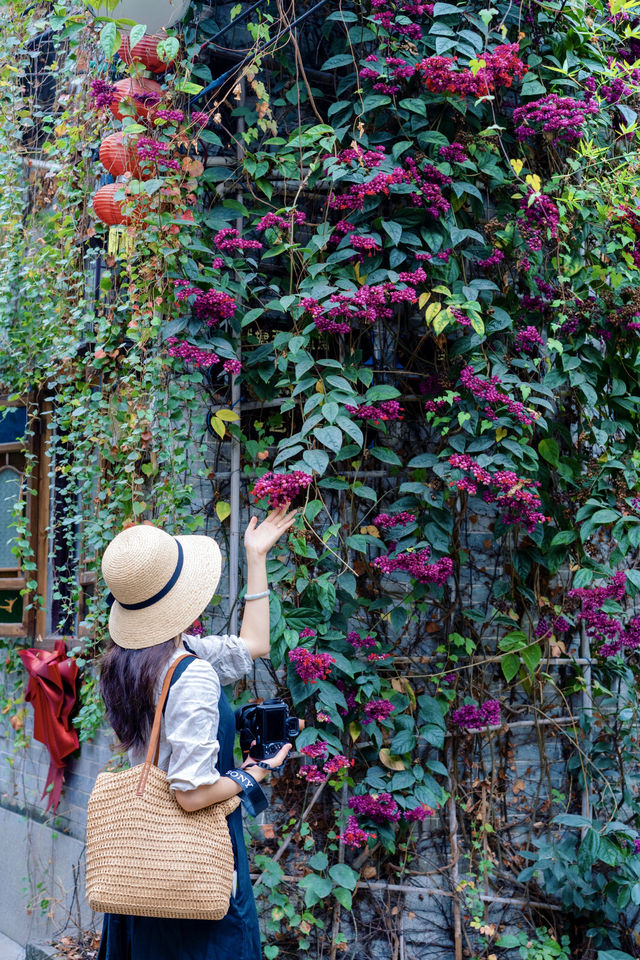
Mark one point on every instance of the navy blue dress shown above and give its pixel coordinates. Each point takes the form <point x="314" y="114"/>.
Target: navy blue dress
<point x="235" y="937"/>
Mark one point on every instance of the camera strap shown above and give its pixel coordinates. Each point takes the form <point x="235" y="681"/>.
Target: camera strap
<point x="252" y="795"/>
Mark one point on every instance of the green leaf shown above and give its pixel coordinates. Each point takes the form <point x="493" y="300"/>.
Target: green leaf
<point x="351" y="429"/>
<point x="344" y="875"/>
<point x="319" y="861"/>
<point x="510" y="664"/>
<point x="381" y="391"/>
<point x="330" y="437"/>
<point x="531" y="656"/>
<point x="344" y="897"/>
<point x="318" y="460"/>
<point x="549" y="450"/>
<point x="605" y="516"/>
<point x="564" y="537"/>
<point x="415" y="106"/>
<point x="386" y="456"/>
<point x="168" y="50"/>
<point x="110" y="40"/>
<point x="394" y="230"/>
<point x="572" y="820"/>
<point x="136" y="35"/>
<point x="271" y="951"/>
<point x="532" y="88"/>
<point x="316" y="888"/>
<point x="340" y="60"/>
<point x="614" y="955"/>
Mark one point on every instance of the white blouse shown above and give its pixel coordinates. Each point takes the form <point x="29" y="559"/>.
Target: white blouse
<point x="189" y="729"/>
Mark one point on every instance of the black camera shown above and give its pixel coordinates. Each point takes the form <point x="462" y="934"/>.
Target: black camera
<point x="268" y="723"/>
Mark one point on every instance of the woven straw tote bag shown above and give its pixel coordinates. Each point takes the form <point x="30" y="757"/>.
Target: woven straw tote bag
<point x="147" y="856"/>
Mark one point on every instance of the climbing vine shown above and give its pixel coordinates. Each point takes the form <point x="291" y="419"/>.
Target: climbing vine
<point x="403" y="283"/>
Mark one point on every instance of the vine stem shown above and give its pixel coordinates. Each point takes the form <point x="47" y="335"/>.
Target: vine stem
<point x="283" y="846"/>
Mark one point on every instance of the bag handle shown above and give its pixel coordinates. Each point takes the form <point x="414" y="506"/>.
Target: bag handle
<point x="153" y="749"/>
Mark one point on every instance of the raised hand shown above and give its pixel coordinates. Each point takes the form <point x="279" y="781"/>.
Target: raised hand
<point x="260" y="537"/>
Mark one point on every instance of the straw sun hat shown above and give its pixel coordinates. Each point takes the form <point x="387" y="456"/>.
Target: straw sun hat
<point x="160" y="583"/>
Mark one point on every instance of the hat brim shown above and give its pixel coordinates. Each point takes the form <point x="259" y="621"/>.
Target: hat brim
<point x="187" y="599"/>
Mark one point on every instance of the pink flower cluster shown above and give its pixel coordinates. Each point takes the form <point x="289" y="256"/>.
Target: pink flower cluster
<point x="274" y="220"/>
<point x="557" y="625"/>
<point x="604" y="627"/>
<point x="538" y="219"/>
<point x="313" y="774"/>
<point x="229" y="240"/>
<point x="307" y="633"/>
<point x="199" y="118"/>
<point x="172" y="116"/>
<point x="395" y="71"/>
<point x="503" y="66"/>
<point x="211" y="307"/>
<point x="155" y="151"/>
<point x="317" y="750"/>
<point x="528" y="339"/>
<point x="309" y="666"/>
<point x="353" y="836"/>
<point x="453" y="153"/>
<point x="368" y="304"/>
<point x="358" y="155"/>
<point x="234" y="367"/>
<point x="377" y="710"/>
<point x="475" y="718"/>
<point x="492" y="260"/>
<point x="364" y="245"/>
<point x="103" y="93"/>
<point x="383" y="411"/>
<point x="561" y="118"/>
<point x="191" y="354"/>
<point x="487" y="390"/>
<point x="380" y="807"/>
<point x="416" y="564"/>
<point x="281" y="488"/>
<point x="515" y="496"/>
<point x="428" y="183"/>
<point x="385" y="521"/>
<point x="358" y="642"/>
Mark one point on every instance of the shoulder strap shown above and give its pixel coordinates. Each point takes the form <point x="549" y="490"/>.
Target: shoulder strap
<point x="180" y="667"/>
<point x="154" y="740"/>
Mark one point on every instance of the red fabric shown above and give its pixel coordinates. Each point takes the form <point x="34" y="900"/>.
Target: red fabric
<point x="52" y="691"/>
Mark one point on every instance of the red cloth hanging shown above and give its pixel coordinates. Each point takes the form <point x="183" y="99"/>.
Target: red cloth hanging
<point x="52" y="691"/>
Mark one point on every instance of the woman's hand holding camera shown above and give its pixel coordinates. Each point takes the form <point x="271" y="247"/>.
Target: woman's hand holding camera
<point x="259" y="773"/>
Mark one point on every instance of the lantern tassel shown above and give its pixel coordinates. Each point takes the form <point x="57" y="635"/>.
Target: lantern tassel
<point x="120" y="242"/>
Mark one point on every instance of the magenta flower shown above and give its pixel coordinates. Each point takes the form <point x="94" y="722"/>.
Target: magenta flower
<point x="317" y="750"/>
<point x="475" y="718"/>
<point x="380" y="807"/>
<point x="191" y="354"/>
<point x="337" y="763"/>
<point x="416" y="564"/>
<point x="281" y="488"/>
<point x="377" y="710"/>
<point x="233" y="367"/>
<point x="353" y="836"/>
<point x="309" y="666"/>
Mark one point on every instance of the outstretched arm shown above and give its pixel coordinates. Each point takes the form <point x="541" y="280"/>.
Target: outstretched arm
<point x="258" y="540"/>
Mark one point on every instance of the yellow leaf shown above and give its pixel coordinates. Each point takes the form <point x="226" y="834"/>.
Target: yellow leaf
<point x="319" y="386"/>
<point x="432" y="311"/>
<point x="441" y="322"/>
<point x="360" y="279"/>
<point x="354" y="730"/>
<point x="227" y="415"/>
<point x="517" y="166"/>
<point x="217" y="425"/>
<point x="476" y="323"/>
<point x="390" y="760"/>
<point x="223" y="509"/>
<point x="534" y="182"/>
<point x="501" y="433"/>
<point x="423" y="299"/>
<point x="443" y="290"/>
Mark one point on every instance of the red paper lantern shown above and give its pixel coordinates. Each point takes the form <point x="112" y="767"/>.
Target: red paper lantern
<point x="118" y="155"/>
<point x="131" y="88"/>
<point x="145" y="51"/>
<point x="106" y="208"/>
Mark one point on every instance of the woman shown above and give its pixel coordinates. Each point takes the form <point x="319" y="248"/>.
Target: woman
<point x="160" y="585"/>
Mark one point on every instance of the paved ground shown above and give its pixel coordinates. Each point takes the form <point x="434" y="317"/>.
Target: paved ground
<point x="9" y="949"/>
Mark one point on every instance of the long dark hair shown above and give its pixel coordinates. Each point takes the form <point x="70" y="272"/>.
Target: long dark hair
<point x="127" y="681"/>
